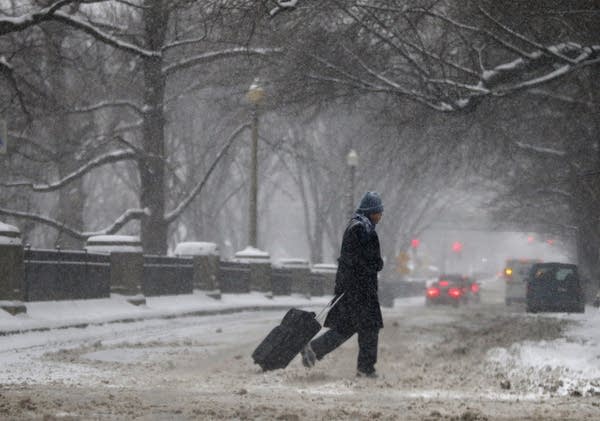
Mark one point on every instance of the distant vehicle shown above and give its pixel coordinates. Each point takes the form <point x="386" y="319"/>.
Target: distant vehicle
<point x="554" y="287"/>
<point x="448" y="289"/>
<point x="514" y="274"/>
<point x="472" y="289"/>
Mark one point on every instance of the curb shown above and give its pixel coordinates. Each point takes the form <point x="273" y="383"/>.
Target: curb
<point x="194" y="313"/>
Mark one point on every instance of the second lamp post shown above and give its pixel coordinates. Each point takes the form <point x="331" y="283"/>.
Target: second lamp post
<point x="255" y="95"/>
<point x="352" y="161"/>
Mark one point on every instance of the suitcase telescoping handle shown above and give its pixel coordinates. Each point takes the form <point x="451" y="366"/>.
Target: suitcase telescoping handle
<point x="328" y="307"/>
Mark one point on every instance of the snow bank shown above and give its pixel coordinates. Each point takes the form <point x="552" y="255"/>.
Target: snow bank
<point x="9" y="235"/>
<point x="564" y="366"/>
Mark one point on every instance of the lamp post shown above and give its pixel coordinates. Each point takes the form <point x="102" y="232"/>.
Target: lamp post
<point x="255" y="96"/>
<point x="352" y="161"/>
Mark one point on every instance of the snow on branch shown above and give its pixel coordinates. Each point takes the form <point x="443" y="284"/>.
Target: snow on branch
<point x="171" y="216"/>
<point x="283" y="5"/>
<point x="542" y="150"/>
<point x="19" y="23"/>
<point x="218" y="55"/>
<point x="524" y="73"/>
<point x="52" y="12"/>
<point x="183" y="42"/>
<point x="128" y="215"/>
<point x="552" y="191"/>
<point x="534" y="65"/>
<point x="108" y="104"/>
<point x="117" y="156"/>
<point x="502" y="75"/>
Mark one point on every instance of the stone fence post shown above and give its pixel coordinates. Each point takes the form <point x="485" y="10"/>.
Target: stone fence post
<point x="300" y="275"/>
<point x="323" y="278"/>
<point x="11" y="270"/>
<point x="205" y="256"/>
<point x="126" y="264"/>
<point x="260" y="269"/>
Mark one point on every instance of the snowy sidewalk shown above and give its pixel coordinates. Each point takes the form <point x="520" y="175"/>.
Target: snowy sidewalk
<point x="44" y="315"/>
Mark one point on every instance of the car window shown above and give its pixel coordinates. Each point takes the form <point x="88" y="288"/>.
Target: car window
<point x="562" y="273"/>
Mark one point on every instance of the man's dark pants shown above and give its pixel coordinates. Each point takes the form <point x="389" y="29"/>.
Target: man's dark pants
<point x="367" y="344"/>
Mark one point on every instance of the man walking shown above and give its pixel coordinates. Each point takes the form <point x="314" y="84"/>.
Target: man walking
<point x="358" y="310"/>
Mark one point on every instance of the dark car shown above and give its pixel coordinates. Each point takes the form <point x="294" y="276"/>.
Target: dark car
<point x="554" y="287"/>
<point x="448" y="289"/>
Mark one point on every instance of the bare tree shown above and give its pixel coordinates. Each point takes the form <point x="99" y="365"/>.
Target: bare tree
<point x="446" y="55"/>
<point x="160" y="35"/>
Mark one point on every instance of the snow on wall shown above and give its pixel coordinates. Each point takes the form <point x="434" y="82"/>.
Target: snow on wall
<point x="196" y="248"/>
<point x="252" y="255"/>
<point x="9" y="235"/>
<point x="116" y="243"/>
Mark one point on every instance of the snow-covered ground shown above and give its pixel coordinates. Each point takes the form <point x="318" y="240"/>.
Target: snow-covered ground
<point x="576" y="356"/>
<point x="476" y="362"/>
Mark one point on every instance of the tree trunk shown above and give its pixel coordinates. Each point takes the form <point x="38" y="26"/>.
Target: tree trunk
<point x="64" y="132"/>
<point x="152" y="167"/>
<point x="586" y="208"/>
<point x="316" y="248"/>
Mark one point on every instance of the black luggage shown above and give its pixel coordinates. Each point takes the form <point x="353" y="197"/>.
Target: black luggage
<point x="285" y="341"/>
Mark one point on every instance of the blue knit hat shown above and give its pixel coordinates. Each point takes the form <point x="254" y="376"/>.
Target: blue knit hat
<point x="370" y="203"/>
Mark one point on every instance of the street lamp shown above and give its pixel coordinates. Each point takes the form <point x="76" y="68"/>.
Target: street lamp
<point x="352" y="161"/>
<point x="255" y="96"/>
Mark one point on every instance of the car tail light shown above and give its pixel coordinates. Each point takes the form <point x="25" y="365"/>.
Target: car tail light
<point x="433" y="292"/>
<point x="475" y="288"/>
<point x="443" y="283"/>
<point x="455" y="292"/>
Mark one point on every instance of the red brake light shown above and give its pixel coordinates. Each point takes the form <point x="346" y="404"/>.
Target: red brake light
<point x="454" y="292"/>
<point x="444" y="283"/>
<point x="433" y="292"/>
<point x="474" y="287"/>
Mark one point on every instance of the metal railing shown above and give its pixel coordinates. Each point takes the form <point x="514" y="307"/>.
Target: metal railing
<point x="65" y="275"/>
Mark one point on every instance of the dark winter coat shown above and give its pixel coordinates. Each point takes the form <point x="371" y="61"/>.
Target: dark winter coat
<point x="359" y="262"/>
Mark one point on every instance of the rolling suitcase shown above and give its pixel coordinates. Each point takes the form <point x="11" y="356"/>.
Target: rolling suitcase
<point x="287" y="339"/>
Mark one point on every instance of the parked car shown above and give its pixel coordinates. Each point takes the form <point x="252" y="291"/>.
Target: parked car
<point x="554" y="287"/>
<point x="448" y="289"/>
<point x="515" y="275"/>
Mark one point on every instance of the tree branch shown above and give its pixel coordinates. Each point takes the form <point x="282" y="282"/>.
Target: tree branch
<point x="20" y="23"/>
<point x="218" y="55"/>
<point x="174" y="214"/>
<point x="7" y="70"/>
<point x="128" y="215"/>
<point x="108" y="104"/>
<point x="283" y="5"/>
<point x="102" y="36"/>
<point x="183" y="42"/>
<point x="523" y="38"/>
<point x="123" y="155"/>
